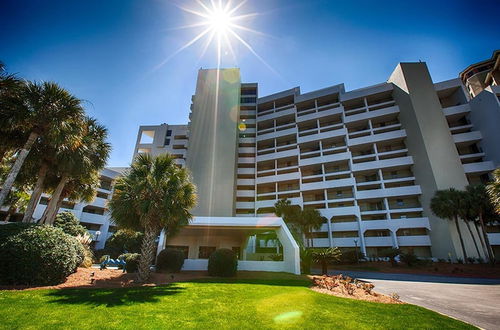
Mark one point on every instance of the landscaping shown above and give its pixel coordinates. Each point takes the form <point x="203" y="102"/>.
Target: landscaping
<point x="251" y="300"/>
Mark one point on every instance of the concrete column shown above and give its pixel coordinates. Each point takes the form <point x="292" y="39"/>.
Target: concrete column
<point x="394" y="239"/>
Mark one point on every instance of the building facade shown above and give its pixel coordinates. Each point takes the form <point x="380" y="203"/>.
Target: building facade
<point x="369" y="160"/>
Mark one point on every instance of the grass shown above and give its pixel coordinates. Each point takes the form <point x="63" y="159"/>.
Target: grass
<point x="209" y="304"/>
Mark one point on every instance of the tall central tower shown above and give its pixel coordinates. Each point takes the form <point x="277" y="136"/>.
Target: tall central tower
<point x="213" y="140"/>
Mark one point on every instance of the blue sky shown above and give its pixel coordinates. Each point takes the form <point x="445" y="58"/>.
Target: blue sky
<point x="108" y="52"/>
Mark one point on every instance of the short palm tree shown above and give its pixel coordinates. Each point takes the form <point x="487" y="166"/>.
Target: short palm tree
<point x="154" y="194"/>
<point x="39" y="110"/>
<point x="479" y="205"/>
<point x="446" y="205"/>
<point x="325" y="256"/>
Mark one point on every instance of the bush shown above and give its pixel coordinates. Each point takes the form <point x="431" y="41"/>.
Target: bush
<point x="14" y="228"/>
<point x="123" y="241"/>
<point x="70" y="224"/>
<point x="349" y="257"/>
<point x="170" y="260"/>
<point x="132" y="260"/>
<point x="222" y="262"/>
<point x="409" y="259"/>
<point x="39" y="255"/>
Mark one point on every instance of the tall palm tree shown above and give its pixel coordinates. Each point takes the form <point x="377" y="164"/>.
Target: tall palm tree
<point x="493" y="189"/>
<point x="479" y="205"/>
<point x="307" y="221"/>
<point x="154" y="194"/>
<point x="446" y="205"/>
<point x="40" y="110"/>
<point x="468" y="214"/>
<point x="80" y="164"/>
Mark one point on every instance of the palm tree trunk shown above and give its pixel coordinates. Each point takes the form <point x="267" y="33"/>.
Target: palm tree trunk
<point x="461" y="240"/>
<point x="473" y="238"/>
<point x="481" y="240"/>
<point x="51" y="210"/>
<point x="14" y="171"/>
<point x="36" y="194"/>
<point x="491" y="255"/>
<point x="147" y="253"/>
<point x="10" y="212"/>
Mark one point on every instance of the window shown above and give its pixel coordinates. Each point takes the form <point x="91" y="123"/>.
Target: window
<point x="167" y="142"/>
<point x="169" y="132"/>
<point x="204" y="252"/>
<point x="394" y="174"/>
<point x="400" y="202"/>
<point x="339" y="193"/>
<point x="102" y="195"/>
<point x="184" y="249"/>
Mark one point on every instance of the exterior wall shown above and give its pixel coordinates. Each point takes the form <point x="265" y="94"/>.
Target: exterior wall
<point x="165" y="138"/>
<point x="213" y="140"/>
<point x="485" y="116"/>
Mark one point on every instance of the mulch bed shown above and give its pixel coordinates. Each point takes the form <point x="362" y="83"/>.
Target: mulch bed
<point x="346" y="287"/>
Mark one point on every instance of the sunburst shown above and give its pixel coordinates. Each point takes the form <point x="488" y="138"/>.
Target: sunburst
<point x="223" y="23"/>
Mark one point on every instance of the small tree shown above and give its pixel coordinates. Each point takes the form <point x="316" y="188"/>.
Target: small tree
<point x="493" y="189"/>
<point x="326" y="256"/>
<point x="70" y="224"/>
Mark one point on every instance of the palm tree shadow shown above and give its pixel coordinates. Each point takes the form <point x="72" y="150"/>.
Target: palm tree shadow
<point x="113" y="297"/>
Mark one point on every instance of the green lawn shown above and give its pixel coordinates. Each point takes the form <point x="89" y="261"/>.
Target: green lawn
<point x="208" y="304"/>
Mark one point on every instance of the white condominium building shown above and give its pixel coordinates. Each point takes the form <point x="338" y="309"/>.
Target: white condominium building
<point x="369" y="160"/>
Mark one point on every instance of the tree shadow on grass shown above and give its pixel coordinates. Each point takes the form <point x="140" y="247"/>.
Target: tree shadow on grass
<point x="114" y="297"/>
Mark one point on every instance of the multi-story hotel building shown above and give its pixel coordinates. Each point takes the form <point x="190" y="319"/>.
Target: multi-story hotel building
<point x="369" y="160"/>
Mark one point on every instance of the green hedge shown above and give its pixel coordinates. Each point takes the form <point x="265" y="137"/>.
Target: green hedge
<point x="170" y="260"/>
<point x="132" y="260"/>
<point x="222" y="262"/>
<point x="38" y="255"/>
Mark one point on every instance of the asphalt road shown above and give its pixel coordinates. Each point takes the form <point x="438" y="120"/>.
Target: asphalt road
<point x="472" y="300"/>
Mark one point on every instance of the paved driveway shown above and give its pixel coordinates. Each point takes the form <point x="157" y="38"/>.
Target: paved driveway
<point x="473" y="300"/>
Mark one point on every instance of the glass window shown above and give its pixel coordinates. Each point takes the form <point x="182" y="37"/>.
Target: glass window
<point x="204" y="252"/>
<point x="169" y="132"/>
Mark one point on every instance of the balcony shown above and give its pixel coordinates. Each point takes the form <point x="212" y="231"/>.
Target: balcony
<point x="321" y="136"/>
<point x="469" y="137"/>
<point x="279" y="154"/>
<point x="99" y="202"/>
<point x="321" y="242"/>
<point x="93" y="218"/>
<point x="479" y="168"/>
<point x="378" y="241"/>
<point x="246" y="171"/>
<point x="395" y="224"/>
<point x="245" y="193"/>
<point x="345" y="226"/>
<point x="325" y="159"/>
<point x="245" y="205"/>
<point x="462" y="109"/>
<point x="246" y="160"/>
<point x="372" y="114"/>
<point x="345" y="241"/>
<point x="388" y="192"/>
<point x="420" y="240"/>
<point x="246" y="150"/>
<point x="279" y="177"/>
<point x="245" y="182"/>
<point x="277" y="132"/>
<point x="327" y="184"/>
<point x="387" y="136"/>
<point x="385" y="163"/>
<point x="276" y="114"/>
<point x="320" y="114"/>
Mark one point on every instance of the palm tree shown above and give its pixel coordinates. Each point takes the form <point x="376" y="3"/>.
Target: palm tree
<point x="467" y="212"/>
<point x="309" y="220"/>
<point x="325" y="256"/>
<point x="16" y="201"/>
<point x="81" y="164"/>
<point x="40" y="110"/>
<point x="479" y="205"/>
<point x="446" y="205"/>
<point x="493" y="189"/>
<point x="154" y="194"/>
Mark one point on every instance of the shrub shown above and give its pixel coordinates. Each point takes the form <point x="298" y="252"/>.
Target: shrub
<point x="324" y="256"/>
<point x="222" y="262"/>
<point x="14" y="228"/>
<point x="123" y="241"/>
<point x="305" y="260"/>
<point x="391" y="253"/>
<point x="39" y="255"/>
<point x="409" y="259"/>
<point x="70" y="224"/>
<point x="170" y="260"/>
<point x="132" y="260"/>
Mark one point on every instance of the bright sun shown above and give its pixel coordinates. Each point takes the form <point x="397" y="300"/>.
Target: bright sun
<point x="222" y="25"/>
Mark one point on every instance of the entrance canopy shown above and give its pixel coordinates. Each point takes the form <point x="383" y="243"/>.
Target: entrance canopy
<point x="261" y="243"/>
